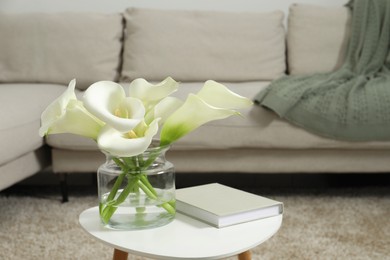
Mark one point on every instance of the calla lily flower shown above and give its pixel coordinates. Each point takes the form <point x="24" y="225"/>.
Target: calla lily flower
<point x="147" y="92"/>
<point x="129" y="144"/>
<point x="192" y="114"/>
<point x="108" y="102"/>
<point x="68" y="115"/>
<point x="216" y="94"/>
<point x="214" y="101"/>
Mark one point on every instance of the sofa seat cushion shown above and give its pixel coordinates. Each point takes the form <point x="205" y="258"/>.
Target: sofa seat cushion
<point x="257" y="128"/>
<point x="195" y="45"/>
<point x="21" y="106"/>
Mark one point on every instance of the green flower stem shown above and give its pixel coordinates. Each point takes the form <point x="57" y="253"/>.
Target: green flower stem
<point x="111" y="206"/>
<point x="145" y="181"/>
<point x="116" y="186"/>
<point x="125" y="193"/>
<point x="147" y="191"/>
<point x="151" y="194"/>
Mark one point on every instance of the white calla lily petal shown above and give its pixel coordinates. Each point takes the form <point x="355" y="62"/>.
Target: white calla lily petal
<point x="57" y="108"/>
<point x="147" y="92"/>
<point x="163" y="109"/>
<point x="118" y="144"/>
<point x="107" y="101"/>
<point x="77" y="120"/>
<point x="68" y="115"/>
<point x="192" y="114"/>
<point x="216" y="94"/>
<point x="133" y="107"/>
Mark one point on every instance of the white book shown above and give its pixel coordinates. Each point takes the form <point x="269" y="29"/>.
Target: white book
<point x="222" y="206"/>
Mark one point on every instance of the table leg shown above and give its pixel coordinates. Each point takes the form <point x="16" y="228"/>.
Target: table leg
<point x="119" y="255"/>
<point x="245" y="255"/>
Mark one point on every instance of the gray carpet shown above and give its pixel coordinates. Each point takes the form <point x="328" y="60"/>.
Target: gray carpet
<point x="318" y="224"/>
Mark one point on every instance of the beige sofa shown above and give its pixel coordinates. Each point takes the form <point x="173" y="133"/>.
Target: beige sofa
<point x="41" y="52"/>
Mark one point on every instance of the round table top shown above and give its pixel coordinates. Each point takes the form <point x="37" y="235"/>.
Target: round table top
<point x="183" y="238"/>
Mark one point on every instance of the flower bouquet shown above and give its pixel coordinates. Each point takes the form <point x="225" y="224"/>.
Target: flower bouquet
<point x="124" y="122"/>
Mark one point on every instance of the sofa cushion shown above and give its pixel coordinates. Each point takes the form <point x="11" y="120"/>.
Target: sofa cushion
<point x="201" y="45"/>
<point x="21" y="106"/>
<point x="55" y="48"/>
<point x="71" y="142"/>
<point x="317" y="38"/>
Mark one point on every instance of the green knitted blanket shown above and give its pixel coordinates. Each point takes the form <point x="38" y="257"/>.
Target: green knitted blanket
<point x="352" y="103"/>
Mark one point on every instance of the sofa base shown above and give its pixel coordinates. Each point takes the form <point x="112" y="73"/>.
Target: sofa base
<point x="23" y="167"/>
<point x="245" y="161"/>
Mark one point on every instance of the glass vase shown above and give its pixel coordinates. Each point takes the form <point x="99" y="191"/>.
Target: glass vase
<point x="137" y="192"/>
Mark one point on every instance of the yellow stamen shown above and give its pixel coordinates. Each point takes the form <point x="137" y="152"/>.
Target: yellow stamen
<point x="132" y="134"/>
<point x="123" y="113"/>
<point x="117" y="112"/>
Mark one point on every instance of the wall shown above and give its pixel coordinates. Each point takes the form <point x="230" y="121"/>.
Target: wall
<point x="119" y="5"/>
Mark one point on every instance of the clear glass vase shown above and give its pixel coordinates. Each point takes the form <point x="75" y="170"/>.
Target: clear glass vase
<point x="137" y="192"/>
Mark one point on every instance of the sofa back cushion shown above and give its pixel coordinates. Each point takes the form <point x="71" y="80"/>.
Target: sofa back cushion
<point x="57" y="47"/>
<point x="195" y="45"/>
<point x="317" y="38"/>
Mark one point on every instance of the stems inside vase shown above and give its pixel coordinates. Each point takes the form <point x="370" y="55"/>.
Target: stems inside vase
<point x="134" y="171"/>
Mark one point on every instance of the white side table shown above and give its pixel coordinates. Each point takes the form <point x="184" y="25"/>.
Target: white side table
<point x="183" y="238"/>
